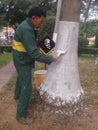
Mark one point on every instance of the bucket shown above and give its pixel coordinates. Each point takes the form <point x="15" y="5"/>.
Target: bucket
<point x="38" y="77"/>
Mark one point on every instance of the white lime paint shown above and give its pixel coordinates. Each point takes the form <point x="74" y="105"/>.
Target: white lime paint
<point x="62" y="80"/>
<point x="54" y="37"/>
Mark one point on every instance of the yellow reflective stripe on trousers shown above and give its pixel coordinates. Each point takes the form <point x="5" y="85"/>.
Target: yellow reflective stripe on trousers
<point x="18" y="46"/>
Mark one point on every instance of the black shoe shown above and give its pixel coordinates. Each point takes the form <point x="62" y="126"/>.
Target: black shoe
<point x="25" y="120"/>
<point x="16" y="98"/>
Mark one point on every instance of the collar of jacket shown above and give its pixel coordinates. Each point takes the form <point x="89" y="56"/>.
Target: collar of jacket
<point x="29" y="22"/>
<point x="35" y="29"/>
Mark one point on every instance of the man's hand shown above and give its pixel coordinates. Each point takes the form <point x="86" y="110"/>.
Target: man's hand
<point x="58" y="54"/>
<point x="55" y="57"/>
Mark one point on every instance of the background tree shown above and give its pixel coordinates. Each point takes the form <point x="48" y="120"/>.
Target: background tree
<point x="89" y="9"/>
<point x="15" y="11"/>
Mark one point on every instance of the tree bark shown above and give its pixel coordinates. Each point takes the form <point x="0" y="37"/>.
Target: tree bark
<point x="70" y="10"/>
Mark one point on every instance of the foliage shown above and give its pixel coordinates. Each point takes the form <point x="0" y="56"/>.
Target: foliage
<point x="89" y="8"/>
<point x="82" y="41"/>
<point x="15" y="11"/>
<point x="89" y="28"/>
<point x="88" y="51"/>
<point x="47" y="28"/>
<point x="5" y="49"/>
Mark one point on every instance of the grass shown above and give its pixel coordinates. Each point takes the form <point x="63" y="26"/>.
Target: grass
<point x="92" y="58"/>
<point x="5" y="58"/>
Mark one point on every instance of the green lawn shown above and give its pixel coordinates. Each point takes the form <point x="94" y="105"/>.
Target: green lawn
<point x="5" y="58"/>
<point x="92" y="58"/>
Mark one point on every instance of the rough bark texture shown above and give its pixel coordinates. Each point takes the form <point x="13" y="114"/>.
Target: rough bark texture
<point x="70" y="10"/>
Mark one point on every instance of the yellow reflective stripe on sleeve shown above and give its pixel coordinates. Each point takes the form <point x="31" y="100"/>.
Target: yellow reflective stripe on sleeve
<point x="18" y="46"/>
<point x="45" y="52"/>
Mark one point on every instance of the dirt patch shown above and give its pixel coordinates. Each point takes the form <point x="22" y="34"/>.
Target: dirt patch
<point x="85" y="118"/>
<point x="46" y="118"/>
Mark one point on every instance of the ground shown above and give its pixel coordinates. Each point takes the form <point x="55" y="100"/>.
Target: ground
<point x="50" y="118"/>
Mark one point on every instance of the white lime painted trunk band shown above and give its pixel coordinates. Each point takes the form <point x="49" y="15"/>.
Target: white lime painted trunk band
<point x="54" y="37"/>
<point x="62" y="80"/>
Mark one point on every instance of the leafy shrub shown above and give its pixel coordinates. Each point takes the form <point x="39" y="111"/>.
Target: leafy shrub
<point x="82" y="41"/>
<point x="89" y="51"/>
<point x="47" y="28"/>
<point x="5" y="49"/>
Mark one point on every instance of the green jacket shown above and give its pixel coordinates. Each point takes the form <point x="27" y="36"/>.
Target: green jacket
<point x="25" y="43"/>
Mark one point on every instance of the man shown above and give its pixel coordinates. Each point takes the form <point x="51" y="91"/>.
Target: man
<point x="25" y="53"/>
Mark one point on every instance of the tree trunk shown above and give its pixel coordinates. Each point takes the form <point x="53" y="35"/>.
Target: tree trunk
<point x="57" y="20"/>
<point x="62" y="82"/>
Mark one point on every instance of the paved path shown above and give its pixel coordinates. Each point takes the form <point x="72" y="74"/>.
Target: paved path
<point x="6" y="73"/>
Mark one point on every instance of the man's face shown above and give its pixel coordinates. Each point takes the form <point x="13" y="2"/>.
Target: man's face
<point x="37" y="21"/>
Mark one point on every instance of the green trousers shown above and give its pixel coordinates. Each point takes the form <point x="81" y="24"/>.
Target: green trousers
<point x="23" y="88"/>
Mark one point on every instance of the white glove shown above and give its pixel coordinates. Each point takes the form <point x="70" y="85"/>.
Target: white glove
<point x="61" y="52"/>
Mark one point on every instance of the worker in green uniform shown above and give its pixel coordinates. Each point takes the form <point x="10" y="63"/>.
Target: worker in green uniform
<point x="25" y="53"/>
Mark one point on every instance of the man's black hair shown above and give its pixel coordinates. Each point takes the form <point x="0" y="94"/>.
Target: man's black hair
<point x="36" y="11"/>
